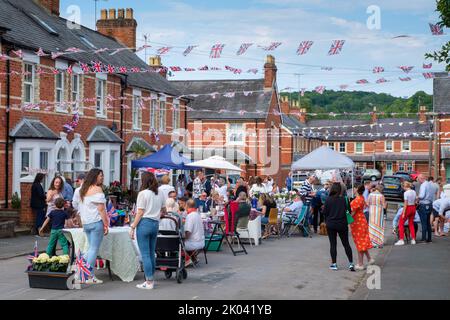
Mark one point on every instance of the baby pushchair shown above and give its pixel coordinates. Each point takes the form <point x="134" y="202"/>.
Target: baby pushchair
<point x="170" y="253"/>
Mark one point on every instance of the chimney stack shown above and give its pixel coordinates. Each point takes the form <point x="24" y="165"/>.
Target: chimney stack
<point x="270" y="72"/>
<point x="121" y="27"/>
<point x="51" y="6"/>
<point x="422" y="115"/>
<point x="285" y="105"/>
<point x="374" y="116"/>
<point x="155" y="63"/>
<point x="302" y="115"/>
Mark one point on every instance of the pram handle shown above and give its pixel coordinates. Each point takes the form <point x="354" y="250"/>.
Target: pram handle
<point x="173" y="219"/>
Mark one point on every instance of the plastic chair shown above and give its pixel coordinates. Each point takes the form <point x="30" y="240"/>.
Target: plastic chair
<point x="301" y="223"/>
<point x="273" y="221"/>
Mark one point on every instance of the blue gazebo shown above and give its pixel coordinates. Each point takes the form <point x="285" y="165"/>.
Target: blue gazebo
<point x="166" y="158"/>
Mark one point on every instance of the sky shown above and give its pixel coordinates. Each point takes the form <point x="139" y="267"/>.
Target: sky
<point x="232" y="22"/>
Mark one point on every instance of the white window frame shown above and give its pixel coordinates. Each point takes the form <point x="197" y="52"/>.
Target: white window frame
<point x="75" y="94"/>
<point x="106" y="149"/>
<point x="48" y="152"/>
<point x="162" y="116"/>
<point x="345" y="147"/>
<point x="409" y="166"/>
<point x="176" y="117"/>
<point x="31" y="84"/>
<point x="153" y="114"/>
<point x="362" y="147"/>
<point x="401" y="166"/>
<point x="386" y="146"/>
<point x="100" y="103"/>
<point x="30" y="161"/>
<point x="409" y="146"/>
<point x="113" y="165"/>
<point x="331" y="146"/>
<point x="392" y="167"/>
<point x="240" y="130"/>
<point x="102" y="158"/>
<point x="137" y="113"/>
<point x="60" y="90"/>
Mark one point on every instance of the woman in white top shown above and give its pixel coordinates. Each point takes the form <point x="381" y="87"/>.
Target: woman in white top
<point x="409" y="212"/>
<point x="258" y="187"/>
<point x="92" y="211"/>
<point x="146" y="224"/>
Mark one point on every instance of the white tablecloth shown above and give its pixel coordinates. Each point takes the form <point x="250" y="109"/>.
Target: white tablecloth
<point x="117" y="247"/>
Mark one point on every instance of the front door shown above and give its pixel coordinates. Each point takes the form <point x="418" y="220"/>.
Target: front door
<point x="389" y="167"/>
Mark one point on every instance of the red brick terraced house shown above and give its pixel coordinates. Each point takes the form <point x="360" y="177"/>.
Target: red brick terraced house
<point x="441" y="104"/>
<point x="34" y="139"/>
<point x="244" y="127"/>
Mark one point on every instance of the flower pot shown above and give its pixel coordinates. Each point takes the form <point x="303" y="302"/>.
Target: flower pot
<point x="50" y="280"/>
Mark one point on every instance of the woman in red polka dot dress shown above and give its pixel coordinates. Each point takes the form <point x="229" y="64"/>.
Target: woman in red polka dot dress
<point x="360" y="229"/>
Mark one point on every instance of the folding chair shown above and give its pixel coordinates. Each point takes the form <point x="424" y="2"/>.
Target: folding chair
<point x="288" y="220"/>
<point x="229" y="228"/>
<point x="273" y="221"/>
<point x="301" y="223"/>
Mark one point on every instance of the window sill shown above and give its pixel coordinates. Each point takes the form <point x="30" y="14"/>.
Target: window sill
<point x="61" y="111"/>
<point x="101" y="116"/>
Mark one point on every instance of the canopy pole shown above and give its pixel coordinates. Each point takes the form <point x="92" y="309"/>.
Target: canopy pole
<point x="353" y="182"/>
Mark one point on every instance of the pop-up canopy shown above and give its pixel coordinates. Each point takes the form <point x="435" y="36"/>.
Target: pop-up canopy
<point x="166" y="158"/>
<point x="215" y="162"/>
<point x="323" y="158"/>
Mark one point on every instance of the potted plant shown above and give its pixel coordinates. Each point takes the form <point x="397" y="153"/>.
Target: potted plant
<point x="50" y="273"/>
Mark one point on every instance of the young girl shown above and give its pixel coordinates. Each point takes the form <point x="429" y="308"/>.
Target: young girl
<point x="409" y="212"/>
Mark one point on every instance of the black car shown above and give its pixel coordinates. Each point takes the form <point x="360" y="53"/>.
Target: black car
<point x="392" y="186"/>
<point x="405" y="175"/>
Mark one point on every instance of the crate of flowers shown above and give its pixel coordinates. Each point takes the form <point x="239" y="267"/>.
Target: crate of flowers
<point x="50" y="273"/>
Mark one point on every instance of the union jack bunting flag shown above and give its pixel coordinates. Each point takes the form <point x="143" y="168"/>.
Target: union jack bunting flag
<point x="74" y="50"/>
<point x="85" y="68"/>
<point x="204" y="68"/>
<point x="70" y="70"/>
<point x="214" y="95"/>
<point x="378" y="69"/>
<point x="326" y="68"/>
<point x="336" y="47"/>
<point x="242" y="112"/>
<point x="97" y="67"/>
<point x="272" y="46"/>
<point x="163" y="50"/>
<point x="436" y="29"/>
<point x="188" y="50"/>
<point x="18" y="53"/>
<point x="215" y="69"/>
<point x="55" y="71"/>
<point x="123" y="69"/>
<point x="145" y="46"/>
<point x="254" y="71"/>
<point x="56" y="54"/>
<point x="111" y="69"/>
<point x="189" y="69"/>
<point x="230" y="95"/>
<point x="406" y="69"/>
<point x="40" y="71"/>
<point x="428" y="75"/>
<point x="247" y="93"/>
<point x="381" y="80"/>
<point x="234" y="70"/>
<point x="320" y="89"/>
<point x="83" y="270"/>
<point x="427" y="66"/>
<point x="216" y="51"/>
<point x="304" y="47"/>
<point x="362" y="81"/>
<point x="343" y="86"/>
<point x="35" y="254"/>
<point x="101" y="50"/>
<point x="244" y="47"/>
<point x="405" y="79"/>
<point x="118" y="50"/>
<point x="41" y="53"/>
<point x="175" y="69"/>
<point x="135" y="70"/>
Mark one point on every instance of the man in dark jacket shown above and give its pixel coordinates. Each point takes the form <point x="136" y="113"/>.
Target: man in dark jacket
<point x="37" y="201"/>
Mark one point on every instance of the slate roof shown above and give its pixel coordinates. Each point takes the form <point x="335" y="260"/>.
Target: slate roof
<point x="141" y="142"/>
<point x="256" y="104"/>
<point x="292" y="123"/>
<point x="32" y="129"/>
<point x="441" y="93"/>
<point x="27" y="33"/>
<point x="103" y="134"/>
<point x="391" y="156"/>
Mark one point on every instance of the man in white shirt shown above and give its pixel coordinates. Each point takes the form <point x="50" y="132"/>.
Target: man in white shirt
<point x="222" y="189"/>
<point x="165" y="188"/>
<point x="76" y="195"/>
<point x="194" y="231"/>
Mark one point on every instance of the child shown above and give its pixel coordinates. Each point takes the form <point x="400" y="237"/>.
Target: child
<point x="57" y="218"/>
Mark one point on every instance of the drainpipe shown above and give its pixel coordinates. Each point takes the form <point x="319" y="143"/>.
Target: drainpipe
<point x="8" y="108"/>
<point x="123" y="86"/>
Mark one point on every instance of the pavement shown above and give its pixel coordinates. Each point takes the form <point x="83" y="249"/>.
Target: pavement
<point x="280" y="269"/>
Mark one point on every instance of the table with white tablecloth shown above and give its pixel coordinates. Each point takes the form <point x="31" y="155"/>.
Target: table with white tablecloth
<point x="117" y="247"/>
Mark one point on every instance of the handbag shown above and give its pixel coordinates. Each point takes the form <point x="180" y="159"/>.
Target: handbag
<point x="350" y="219"/>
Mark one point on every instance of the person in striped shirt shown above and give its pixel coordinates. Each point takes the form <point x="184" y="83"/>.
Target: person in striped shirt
<point x="307" y="194"/>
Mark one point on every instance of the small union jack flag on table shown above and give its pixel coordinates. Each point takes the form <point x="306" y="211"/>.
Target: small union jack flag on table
<point x="336" y="47"/>
<point x="304" y="47"/>
<point x="436" y="29"/>
<point x="244" y="47"/>
<point x="216" y="51"/>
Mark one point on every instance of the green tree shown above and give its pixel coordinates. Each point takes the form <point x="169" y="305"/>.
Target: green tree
<point x="443" y="7"/>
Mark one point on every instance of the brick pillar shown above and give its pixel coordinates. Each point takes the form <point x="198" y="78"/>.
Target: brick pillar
<point x="26" y="215"/>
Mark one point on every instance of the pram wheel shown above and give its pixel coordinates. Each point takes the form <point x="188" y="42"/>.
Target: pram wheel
<point x="179" y="276"/>
<point x="168" y="274"/>
<point x="184" y="273"/>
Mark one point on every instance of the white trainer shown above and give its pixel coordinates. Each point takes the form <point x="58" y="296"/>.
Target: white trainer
<point x="413" y="241"/>
<point x="94" y="280"/>
<point x="400" y="243"/>
<point x="146" y="286"/>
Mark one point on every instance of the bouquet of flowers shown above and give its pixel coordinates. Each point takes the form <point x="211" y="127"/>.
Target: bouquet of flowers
<point x="115" y="187"/>
<point x="54" y="264"/>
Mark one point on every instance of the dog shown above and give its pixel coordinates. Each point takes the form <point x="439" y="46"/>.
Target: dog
<point x="323" y="229"/>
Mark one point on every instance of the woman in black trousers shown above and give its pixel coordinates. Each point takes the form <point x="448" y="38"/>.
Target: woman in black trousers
<point x="38" y="200"/>
<point x="336" y="221"/>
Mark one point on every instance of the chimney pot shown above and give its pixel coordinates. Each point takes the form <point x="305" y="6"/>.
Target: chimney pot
<point x="112" y="14"/>
<point x="121" y="14"/>
<point x="129" y="13"/>
<point x="104" y="14"/>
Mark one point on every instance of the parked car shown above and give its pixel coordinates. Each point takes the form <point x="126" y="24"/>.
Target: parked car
<point x="298" y="178"/>
<point x="414" y="175"/>
<point x="392" y="186"/>
<point x="405" y="175"/>
<point x="371" y="174"/>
